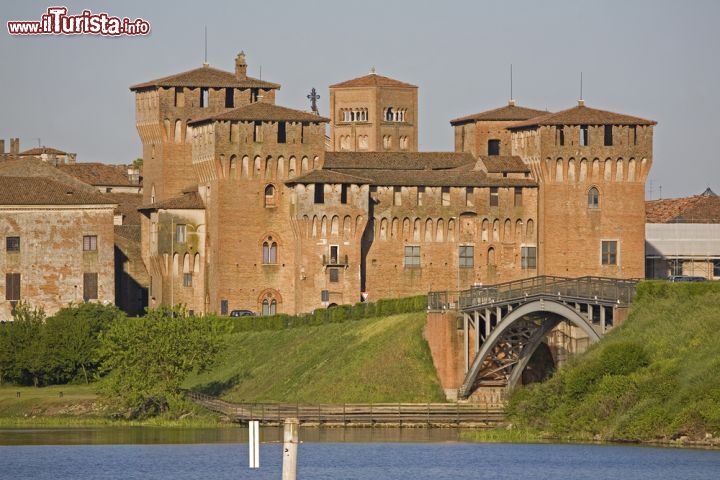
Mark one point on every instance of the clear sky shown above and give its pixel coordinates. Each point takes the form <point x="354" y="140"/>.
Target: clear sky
<point x="654" y="59"/>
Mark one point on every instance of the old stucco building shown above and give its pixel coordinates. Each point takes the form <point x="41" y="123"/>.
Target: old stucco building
<point x="57" y="244"/>
<point x="248" y="205"/>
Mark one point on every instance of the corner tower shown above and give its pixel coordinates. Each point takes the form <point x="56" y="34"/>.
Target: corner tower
<point x="163" y="108"/>
<point x="591" y="166"/>
<point x="374" y="114"/>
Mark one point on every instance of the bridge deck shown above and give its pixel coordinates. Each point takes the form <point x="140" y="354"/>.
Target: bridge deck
<point x="600" y="290"/>
<point x="389" y="414"/>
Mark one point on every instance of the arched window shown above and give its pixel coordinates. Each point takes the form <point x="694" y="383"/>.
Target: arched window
<point x="491" y="256"/>
<point x="269" y="306"/>
<point x="270" y="196"/>
<point x="593" y="198"/>
<point x="269" y="252"/>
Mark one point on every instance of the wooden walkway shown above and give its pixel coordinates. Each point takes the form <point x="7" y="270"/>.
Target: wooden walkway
<point x="360" y="415"/>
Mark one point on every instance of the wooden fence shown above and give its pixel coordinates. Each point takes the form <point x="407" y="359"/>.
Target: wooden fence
<point x="370" y="414"/>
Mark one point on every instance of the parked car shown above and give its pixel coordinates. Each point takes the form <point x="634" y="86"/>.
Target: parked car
<point x="686" y="278"/>
<point x="242" y="313"/>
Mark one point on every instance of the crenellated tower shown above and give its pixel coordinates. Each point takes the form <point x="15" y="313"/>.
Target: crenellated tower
<point x="591" y="166"/>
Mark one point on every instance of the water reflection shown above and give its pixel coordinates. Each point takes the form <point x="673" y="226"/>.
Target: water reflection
<point x="229" y="434"/>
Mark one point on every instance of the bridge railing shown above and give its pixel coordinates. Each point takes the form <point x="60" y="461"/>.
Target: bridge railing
<point x="601" y="289"/>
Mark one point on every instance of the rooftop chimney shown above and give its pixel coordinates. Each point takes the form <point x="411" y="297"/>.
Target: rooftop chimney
<point x="240" y="66"/>
<point x="2" y="146"/>
<point x="14" y="146"/>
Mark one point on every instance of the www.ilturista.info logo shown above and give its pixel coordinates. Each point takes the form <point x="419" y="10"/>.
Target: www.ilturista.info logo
<point x="57" y="22"/>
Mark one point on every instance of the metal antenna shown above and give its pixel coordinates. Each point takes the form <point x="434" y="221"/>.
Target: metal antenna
<point x="581" y="92"/>
<point x="205" y="43"/>
<point x="511" y="81"/>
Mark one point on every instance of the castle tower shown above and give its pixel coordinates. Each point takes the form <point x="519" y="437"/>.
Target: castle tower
<point x="374" y="114"/>
<point x="244" y="158"/>
<point x="163" y="108"/>
<point x="591" y="166"/>
<point x="486" y="133"/>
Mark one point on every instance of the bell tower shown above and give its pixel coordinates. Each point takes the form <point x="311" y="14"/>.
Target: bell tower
<point x="374" y="113"/>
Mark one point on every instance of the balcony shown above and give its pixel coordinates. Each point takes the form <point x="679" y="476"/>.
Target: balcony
<point x="335" y="260"/>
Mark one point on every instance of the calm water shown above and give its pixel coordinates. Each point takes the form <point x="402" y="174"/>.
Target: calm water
<point x="384" y="454"/>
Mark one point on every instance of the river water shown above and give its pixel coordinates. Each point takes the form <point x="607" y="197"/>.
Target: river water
<point x="332" y="454"/>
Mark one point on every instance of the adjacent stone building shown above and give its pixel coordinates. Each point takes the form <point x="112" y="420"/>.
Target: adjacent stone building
<point x="57" y="244"/>
<point x="248" y="205"/>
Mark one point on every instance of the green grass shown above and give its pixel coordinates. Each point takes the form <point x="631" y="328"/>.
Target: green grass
<point x="656" y="376"/>
<point x="372" y="360"/>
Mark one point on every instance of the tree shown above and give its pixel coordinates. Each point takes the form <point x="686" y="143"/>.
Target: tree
<point x="72" y="339"/>
<point x="23" y="358"/>
<point x="149" y="357"/>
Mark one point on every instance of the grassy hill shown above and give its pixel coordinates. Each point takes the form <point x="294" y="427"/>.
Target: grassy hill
<point x="382" y="359"/>
<point x="655" y="377"/>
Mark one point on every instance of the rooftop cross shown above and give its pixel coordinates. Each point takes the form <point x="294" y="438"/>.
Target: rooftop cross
<point x="313" y="100"/>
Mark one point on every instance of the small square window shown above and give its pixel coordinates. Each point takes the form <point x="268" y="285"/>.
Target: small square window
<point x="412" y="256"/>
<point x="187" y="279"/>
<point x="334" y="275"/>
<point x="528" y="258"/>
<point x="609" y="252"/>
<point x="89" y="243"/>
<point x="494" y="197"/>
<point x="12" y="244"/>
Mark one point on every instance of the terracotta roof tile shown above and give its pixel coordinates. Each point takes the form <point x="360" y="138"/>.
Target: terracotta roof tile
<point x="582" y="115"/>
<point x="37" y="151"/>
<point x="437" y="178"/>
<point x="264" y="112"/>
<point x="127" y="205"/>
<point x="696" y="209"/>
<point x="500" y="164"/>
<point x="397" y="160"/>
<point x="44" y="191"/>
<point x="510" y="112"/>
<point x="97" y="174"/>
<point x="34" y="167"/>
<point x="206" y="77"/>
<point x="372" y="80"/>
<point x="328" y="176"/>
<point x="187" y="201"/>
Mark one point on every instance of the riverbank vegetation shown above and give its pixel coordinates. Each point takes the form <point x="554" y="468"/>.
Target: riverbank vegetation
<point x="654" y="378"/>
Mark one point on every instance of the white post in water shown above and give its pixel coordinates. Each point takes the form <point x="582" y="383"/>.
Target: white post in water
<point x="254" y="443"/>
<point x="290" y="443"/>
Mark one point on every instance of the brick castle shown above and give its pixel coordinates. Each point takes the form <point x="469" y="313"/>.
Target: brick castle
<point x="250" y="205"/>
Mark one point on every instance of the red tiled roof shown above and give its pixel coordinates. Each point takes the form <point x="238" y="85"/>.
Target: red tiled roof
<point x="703" y="208"/>
<point x="44" y="191"/>
<point x="97" y="174"/>
<point x="186" y="201"/>
<point x="397" y="160"/>
<point x="328" y="176"/>
<point x="34" y="167"/>
<point x="499" y="164"/>
<point x="582" y="115"/>
<point x="37" y="151"/>
<point x="372" y="80"/>
<point x="264" y="112"/>
<point x="510" y="112"/>
<point x="206" y="76"/>
<point x="127" y="205"/>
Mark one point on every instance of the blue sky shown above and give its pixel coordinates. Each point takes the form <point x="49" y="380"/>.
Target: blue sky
<point x="655" y="59"/>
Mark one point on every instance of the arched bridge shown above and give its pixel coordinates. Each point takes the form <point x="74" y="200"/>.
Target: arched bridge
<point x="504" y="324"/>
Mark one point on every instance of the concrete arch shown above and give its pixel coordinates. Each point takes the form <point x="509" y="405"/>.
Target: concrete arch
<point x="549" y="306"/>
